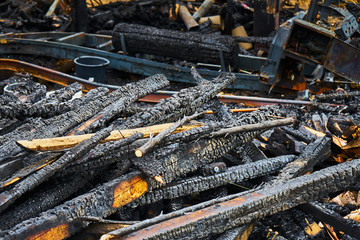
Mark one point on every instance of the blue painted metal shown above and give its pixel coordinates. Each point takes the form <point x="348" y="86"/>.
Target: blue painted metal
<point x="28" y="44"/>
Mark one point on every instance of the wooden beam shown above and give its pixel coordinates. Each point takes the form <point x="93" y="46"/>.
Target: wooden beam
<point x="49" y="144"/>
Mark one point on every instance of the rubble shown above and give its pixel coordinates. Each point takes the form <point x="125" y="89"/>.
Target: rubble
<point x="216" y="120"/>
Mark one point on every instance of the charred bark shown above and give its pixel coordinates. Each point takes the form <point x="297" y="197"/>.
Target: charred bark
<point x="50" y="106"/>
<point x="36" y="128"/>
<point x="298" y="134"/>
<point x="103" y="154"/>
<point x="182" y="103"/>
<point x="337" y="96"/>
<point x="190" y="157"/>
<point x="254" y="39"/>
<point x="43" y="199"/>
<point x="187" y="46"/>
<point x="59" y="125"/>
<point x="339" y="223"/>
<point x="115" y="109"/>
<point x="102" y="201"/>
<point x="313" y="154"/>
<point x="235" y="174"/>
<point x="105" y="199"/>
<point x="139" y="152"/>
<point x="8" y="197"/>
<point x="257" y="204"/>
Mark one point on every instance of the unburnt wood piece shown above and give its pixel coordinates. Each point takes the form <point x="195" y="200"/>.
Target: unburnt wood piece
<point x="222" y="216"/>
<point x="182" y="103"/>
<point x="194" y="47"/>
<point x="33" y="180"/>
<point x="337" y="96"/>
<point x="313" y="154"/>
<point x="58" y="143"/>
<point x="197" y="184"/>
<point x="160" y="137"/>
<point x="187" y="18"/>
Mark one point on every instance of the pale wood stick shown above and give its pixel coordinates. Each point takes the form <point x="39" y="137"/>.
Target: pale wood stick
<point x="253" y="127"/>
<point x="141" y="151"/>
<point x="57" y="143"/>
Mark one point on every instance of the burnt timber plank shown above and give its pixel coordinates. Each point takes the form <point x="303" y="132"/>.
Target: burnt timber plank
<point x="185" y="102"/>
<point x="59" y="125"/>
<point x="225" y="215"/>
<point x="106" y="199"/>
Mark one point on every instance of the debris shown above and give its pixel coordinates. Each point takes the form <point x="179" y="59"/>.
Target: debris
<point x="215" y="120"/>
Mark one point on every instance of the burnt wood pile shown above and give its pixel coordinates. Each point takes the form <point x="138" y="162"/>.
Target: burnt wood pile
<point x="101" y="165"/>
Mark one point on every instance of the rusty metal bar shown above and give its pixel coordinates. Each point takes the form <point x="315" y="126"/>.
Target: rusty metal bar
<point x="49" y="75"/>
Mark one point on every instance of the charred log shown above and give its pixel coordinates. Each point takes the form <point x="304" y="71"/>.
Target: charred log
<point x="297" y="134"/>
<point x="241" y="210"/>
<point x="235" y="174"/>
<point x="37" y="127"/>
<point x="183" y="103"/>
<point x="188" y="158"/>
<point x="187" y="46"/>
<point x="102" y="155"/>
<point x="115" y="109"/>
<point x="348" y="226"/>
<point x="43" y="199"/>
<point x="102" y="201"/>
<point x="47" y="107"/>
<point x="337" y="96"/>
<point x="8" y="197"/>
<point x="60" y="124"/>
<point x="313" y="154"/>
